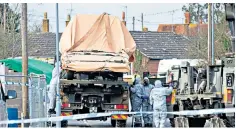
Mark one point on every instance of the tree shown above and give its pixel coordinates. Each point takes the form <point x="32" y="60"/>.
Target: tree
<point x="12" y="16"/>
<point x="199" y="44"/>
<point x="200" y="12"/>
<point x="196" y="11"/>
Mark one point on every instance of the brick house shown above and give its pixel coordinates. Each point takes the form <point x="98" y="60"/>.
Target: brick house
<point x="187" y="29"/>
<point x="155" y="46"/>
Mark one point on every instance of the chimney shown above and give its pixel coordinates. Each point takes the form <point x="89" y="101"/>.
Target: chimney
<point x="145" y="29"/>
<point x="187" y="17"/>
<point x="68" y="20"/>
<point x="123" y="18"/>
<point x="45" y="23"/>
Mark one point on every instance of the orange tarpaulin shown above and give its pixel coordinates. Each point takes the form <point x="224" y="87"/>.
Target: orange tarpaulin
<point x="103" y="33"/>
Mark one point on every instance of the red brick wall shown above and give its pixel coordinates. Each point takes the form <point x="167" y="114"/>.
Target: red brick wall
<point x="152" y="66"/>
<point x="145" y="64"/>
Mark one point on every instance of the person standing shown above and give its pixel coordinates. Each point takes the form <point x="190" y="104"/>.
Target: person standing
<point x="158" y="100"/>
<point x="136" y="100"/>
<point x="146" y="106"/>
<point x="52" y="89"/>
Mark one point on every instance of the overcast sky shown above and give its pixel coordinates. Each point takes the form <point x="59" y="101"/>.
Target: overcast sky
<point x="154" y="14"/>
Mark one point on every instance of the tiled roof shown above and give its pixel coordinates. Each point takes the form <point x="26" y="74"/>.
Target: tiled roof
<point x="161" y="45"/>
<point x="155" y="45"/>
<point x="40" y="45"/>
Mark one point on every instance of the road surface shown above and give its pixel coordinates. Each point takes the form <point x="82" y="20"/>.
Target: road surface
<point x="97" y="123"/>
<point x="93" y="123"/>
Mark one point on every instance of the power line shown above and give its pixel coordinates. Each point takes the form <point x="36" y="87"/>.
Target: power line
<point x="157" y="21"/>
<point x="158" y="13"/>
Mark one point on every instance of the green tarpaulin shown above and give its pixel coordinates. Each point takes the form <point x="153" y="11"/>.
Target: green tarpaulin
<point x="34" y="66"/>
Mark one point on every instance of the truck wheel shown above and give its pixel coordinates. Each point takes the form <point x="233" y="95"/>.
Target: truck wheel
<point x="70" y="75"/>
<point x="121" y="123"/>
<point x="64" y="123"/>
<point x="113" y="123"/>
<point x="231" y="121"/>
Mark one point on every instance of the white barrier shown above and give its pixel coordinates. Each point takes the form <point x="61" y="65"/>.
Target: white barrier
<point x="94" y="115"/>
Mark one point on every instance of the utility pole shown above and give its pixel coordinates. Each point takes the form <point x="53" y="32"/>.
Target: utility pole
<point x="58" y="102"/>
<point x="24" y="60"/>
<point x="142" y="20"/>
<point x="198" y="27"/>
<point x="126" y="13"/>
<point x="172" y="30"/>
<point x="212" y="35"/>
<point x="4" y="16"/>
<point x="133" y="23"/>
<point x="209" y="34"/>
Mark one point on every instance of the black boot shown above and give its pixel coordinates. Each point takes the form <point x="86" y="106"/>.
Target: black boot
<point x="146" y="125"/>
<point x="51" y="111"/>
<point x="149" y="125"/>
<point x="137" y="125"/>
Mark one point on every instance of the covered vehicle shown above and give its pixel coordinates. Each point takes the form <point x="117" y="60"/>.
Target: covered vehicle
<point x="96" y="50"/>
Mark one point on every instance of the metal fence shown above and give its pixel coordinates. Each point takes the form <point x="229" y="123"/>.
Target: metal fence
<point x="37" y="93"/>
<point x="38" y="100"/>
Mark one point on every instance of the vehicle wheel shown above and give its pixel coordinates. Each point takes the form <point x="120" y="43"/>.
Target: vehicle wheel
<point x="172" y="122"/>
<point x="230" y="121"/>
<point x="121" y="123"/>
<point x="64" y="124"/>
<point x="70" y="75"/>
<point x="113" y="123"/>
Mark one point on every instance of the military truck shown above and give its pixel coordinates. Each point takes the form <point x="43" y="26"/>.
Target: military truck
<point x="211" y="87"/>
<point x="95" y="53"/>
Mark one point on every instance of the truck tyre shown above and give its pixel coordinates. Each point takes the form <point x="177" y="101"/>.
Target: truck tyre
<point x="121" y="123"/>
<point x="64" y="123"/>
<point x="70" y="75"/>
<point x="231" y="121"/>
<point x="113" y="123"/>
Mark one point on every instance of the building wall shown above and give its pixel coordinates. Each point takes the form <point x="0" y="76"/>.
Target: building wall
<point x="152" y="66"/>
<point x="140" y="63"/>
<point x="144" y="64"/>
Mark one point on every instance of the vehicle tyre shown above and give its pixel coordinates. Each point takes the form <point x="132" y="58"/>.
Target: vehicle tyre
<point x="172" y="122"/>
<point x="121" y="123"/>
<point x="64" y="123"/>
<point x="231" y="121"/>
<point x="70" y="75"/>
<point x="113" y="123"/>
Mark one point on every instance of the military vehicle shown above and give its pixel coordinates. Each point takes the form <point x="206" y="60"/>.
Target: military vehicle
<point x="211" y="87"/>
<point x="95" y="53"/>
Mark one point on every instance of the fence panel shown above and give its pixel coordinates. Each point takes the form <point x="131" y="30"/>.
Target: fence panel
<point x="38" y="98"/>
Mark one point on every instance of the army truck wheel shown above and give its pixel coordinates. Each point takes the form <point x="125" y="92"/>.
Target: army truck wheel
<point x="121" y="123"/>
<point x="113" y="123"/>
<point x="230" y="121"/>
<point x="70" y="75"/>
<point x="64" y="124"/>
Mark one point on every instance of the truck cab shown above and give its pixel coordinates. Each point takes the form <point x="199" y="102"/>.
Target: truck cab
<point x="11" y="94"/>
